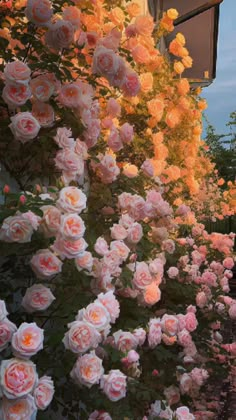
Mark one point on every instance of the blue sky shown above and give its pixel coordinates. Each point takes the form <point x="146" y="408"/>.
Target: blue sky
<point x="221" y="95"/>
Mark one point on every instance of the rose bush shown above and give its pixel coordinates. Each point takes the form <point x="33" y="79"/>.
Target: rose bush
<point x="116" y="289"/>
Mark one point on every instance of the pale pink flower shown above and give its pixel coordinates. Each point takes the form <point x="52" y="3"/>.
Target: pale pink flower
<point x="84" y="261"/>
<point x="185" y="383"/>
<point x="111" y="304"/>
<point x="142" y="277"/>
<point x="121" y="249"/>
<point x="131" y="84"/>
<point x="191" y="322"/>
<point x="17" y="72"/>
<point x="81" y="149"/>
<point x="17" y="377"/>
<point x="39" y="12"/>
<point x="23" y="408"/>
<point x="24" y="126"/>
<point x="170" y="324"/>
<point x="63" y="138"/>
<point x="148" y="168"/>
<point x="105" y="61"/>
<point x="87" y="370"/>
<point x="42" y="88"/>
<point x="27" y="340"/>
<point x="45" y="264"/>
<point x="72" y="14"/>
<point x="124" y="341"/>
<point x="71" y="200"/>
<point x="72" y="226"/>
<point x="114" y="140"/>
<point x="16" y="229"/>
<point x="51" y="220"/>
<point x="114" y="385"/>
<point x="7" y="329"/>
<point x="172" y="395"/>
<point x="44" y="113"/>
<point x="168" y="245"/>
<point x="69" y="248"/>
<point x="37" y="298"/>
<point x="154" y="332"/>
<point x="126" y="133"/>
<point x="60" y="35"/>
<point x="140" y="335"/>
<point x="95" y="314"/>
<point x="16" y="94"/>
<point x="101" y="246"/>
<point x="70" y="95"/>
<point x="81" y="337"/>
<point x="184" y="338"/>
<point x="173" y="272"/>
<point x="183" y="413"/>
<point x="135" y="233"/>
<point x="43" y="393"/>
<point x="228" y="263"/>
<point x="113" y="108"/>
<point x="118" y="232"/>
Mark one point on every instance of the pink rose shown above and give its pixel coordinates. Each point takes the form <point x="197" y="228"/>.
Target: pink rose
<point x="99" y="415"/>
<point x="72" y="226"/>
<point x="168" y="245"/>
<point x="132" y="356"/>
<point x="63" y="138"/>
<point x="232" y="311"/>
<point x="126" y="133"/>
<point x="131" y="84"/>
<point x="201" y="299"/>
<point x="140" y="54"/>
<point x="113" y="108"/>
<point x="124" y="341"/>
<point x="44" y="114"/>
<point x="81" y="149"/>
<point x="81" y="337"/>
<point x="140" y="335"/>
<point x="173" y="272"/>
<point x="191" y="321"/>
<point x="42" y="88"/>
<point x="7" y="329"/>
<point x="17" y="377"/>
<point x="24" y="126"/>
<point x="37" y="298"/>
<point x="105" y="62"/>
<point x="71" y="200"/>
<point x="148" y="168"/>
<point x="16" y="229"/>
<point x="172" y="395"/>
<point x="20" y="408"/>
<point x="114" y="385"/>
<point x="107" y="169"/>
<point x="51" y="220"/>
<point x="228" y="263"/>
<point x="43" y="393"/>
<point x="135" y="233"/>
<point x="121" y="249"/>
<point x="70" y="95"/>
<point x="69" y="248"/>
<point x="16" y="95"/>
<point x="142" y="277"/>
<point x="154" y="332"/>
<point x="87" y="370"/>
<point x="27" y="340"/>
<point x="95" y="314"/>
<point x="72" y="14"/>
<point x="111" y="304"/>
<point x="39" y="11"/>
<point x="170" y="324"/>
<point x="185" y="383"/>
<point x="84" y="261"/>
<point x="17" y="72"/>
<point x="183" y="413"/>
<point x="118" y="232"/>
<point x="114" y="140"/>
<point x="101" y="246"/>
<point x="184" y="338"/>
<point x="45" y="264"/>
<point x="60" y="35"/>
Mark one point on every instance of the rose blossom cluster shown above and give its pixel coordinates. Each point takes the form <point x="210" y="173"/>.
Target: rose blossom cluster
<point x="71" y="157"/>
<point x="190" y="382"/>
<point x="23" y="393"/>
<point x="108" y="267"/>
<point x="106" y="169"/>
<point x="181" y="413"/>
<point x="19" y="228"/>
<point x="90" y="328"/>
<point x="171" y="329"/>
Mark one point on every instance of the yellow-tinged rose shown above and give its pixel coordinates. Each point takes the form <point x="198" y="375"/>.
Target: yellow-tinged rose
<point x="172" y="13"/>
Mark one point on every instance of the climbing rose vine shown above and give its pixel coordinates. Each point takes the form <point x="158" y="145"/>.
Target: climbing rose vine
<point x="113" y="293"/>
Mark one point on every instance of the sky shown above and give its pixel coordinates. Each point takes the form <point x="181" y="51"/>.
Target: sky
<point x="221" y="94"/>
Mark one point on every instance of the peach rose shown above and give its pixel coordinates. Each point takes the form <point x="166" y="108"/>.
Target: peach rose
<point x="156" y="108"/>
<point x="117" y="16"/>
<point x="17" y="377"/>
<point x="81" y="337"/>
<point x="72" y="226"/>
<point x="24" y="126"/>
<point x="95" y="314"/>
<point x="131" y="171"/>
<point x="114" y="385"/>
<point x="42" y="88"/>
<point x="16" y="95"/>
<point x="169" y="324"/>
<point x="111" y="304"/>
<point x="146" y="80"/>
<point x="37" y="298"/>
<point x="124" y="341"/>
<point x="140" y="54"/>
<point x="105" y="62"/>
<point x="144" y="25"/>
<point x="152" y="294"/>
<point x="44" y="114"/>
<point x="27" y="340"/>
<point x="72" y="14"/>
<point x="17" y="72"/>
<point x="16" y="229"/>
<point x="142" y="277"/>
<point x="60" y="35"/>
<point x="68" y="248"/>
<point x="39" y="11"/>
<point x="68" y="161"/>
<point x="7" y="329"/>
<point x="45" y="264"/>
<point x="43" y="393"/>
<point x="51" y="220"/>
<point x="23" y="408"/>
<point x="71" y="200"/>
<point x="133" y="9"/>
<point x="70" y="95"/>
<point x="88" y="370"/>
<point x="84" y="261"/>
<point x="131" y="84"/>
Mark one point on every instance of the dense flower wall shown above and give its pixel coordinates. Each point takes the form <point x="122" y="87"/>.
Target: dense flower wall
<point x="117" y="292"/>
